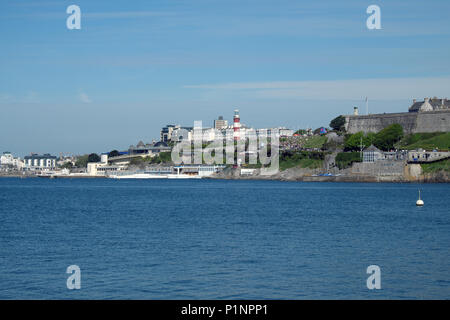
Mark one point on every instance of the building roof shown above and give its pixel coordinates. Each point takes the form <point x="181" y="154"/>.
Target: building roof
<point x="36" y="156"/>
<point x="160" y="144"/>
<point x="145" y="147"/>
<point x="372" y="148"/>
<point x="436" y="104"/>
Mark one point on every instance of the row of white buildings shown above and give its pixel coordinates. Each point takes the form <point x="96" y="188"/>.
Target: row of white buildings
<point x="31" y="162"/>
<point x="177" y="133"/>
<point x="7" y="160"/>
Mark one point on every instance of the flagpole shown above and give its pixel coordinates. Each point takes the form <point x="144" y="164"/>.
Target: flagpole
<point x="367" y="105"/>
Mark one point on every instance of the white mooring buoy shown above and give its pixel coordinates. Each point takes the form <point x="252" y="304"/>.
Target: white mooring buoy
<point x="419" y="202"/>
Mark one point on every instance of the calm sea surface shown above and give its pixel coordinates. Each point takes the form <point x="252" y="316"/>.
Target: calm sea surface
<point x="210" y="239"/>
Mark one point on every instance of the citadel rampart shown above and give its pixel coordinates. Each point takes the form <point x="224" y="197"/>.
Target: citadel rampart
<point x="412" y="122"/>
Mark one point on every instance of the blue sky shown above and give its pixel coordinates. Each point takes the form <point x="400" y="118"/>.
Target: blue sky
<point x="137" y="65"/>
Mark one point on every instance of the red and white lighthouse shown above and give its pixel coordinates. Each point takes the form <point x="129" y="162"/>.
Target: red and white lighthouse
<point x="236" y="125"/>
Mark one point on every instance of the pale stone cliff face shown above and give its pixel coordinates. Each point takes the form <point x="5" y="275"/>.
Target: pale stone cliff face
<point x="413" y="172"/>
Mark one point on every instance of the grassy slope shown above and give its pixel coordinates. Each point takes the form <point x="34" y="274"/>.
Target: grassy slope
<point x="427" y="141"/>
<point x="302" y="163"/>
<point x="308" y="142"/>
<point x="315" y="142"/>
<point x="443" y="165"/>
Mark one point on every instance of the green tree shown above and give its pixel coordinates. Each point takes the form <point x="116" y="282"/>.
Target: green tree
<point x="165" y="157"/>
<point x="346" y="159"/>
<point x="162" y="157"/>
<point x="386" y="138"/>
<point x="82" y="161"/>
<point x="93" y="157"/>
<point x="354" y="142"/>
<point x="338" y="123"/>
<point x="113" y="153"/>
<point x="67" y="165"/>
<point x="369" y="139"/>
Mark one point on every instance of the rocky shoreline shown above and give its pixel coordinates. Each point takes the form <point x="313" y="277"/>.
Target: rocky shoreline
<point x="346" y="175"/>
<point x="411" y="174"/>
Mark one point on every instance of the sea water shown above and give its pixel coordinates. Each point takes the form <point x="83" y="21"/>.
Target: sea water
<point x="222" y="239"/>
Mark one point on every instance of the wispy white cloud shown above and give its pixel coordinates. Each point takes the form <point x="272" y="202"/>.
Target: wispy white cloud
<point x="33" y="4"/>
<point x="84" y="98"/>
<point x="391" y="88"/>
<point x="5" y="97"/>
<point x="126" y="14"/>
<point x="29" y="97"/>
<point x="93" y="15"/>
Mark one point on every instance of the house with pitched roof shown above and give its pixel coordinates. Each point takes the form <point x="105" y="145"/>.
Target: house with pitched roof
<point x="430" y="104"/>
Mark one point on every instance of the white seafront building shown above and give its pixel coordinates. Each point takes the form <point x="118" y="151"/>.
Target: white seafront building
<point x="37" y="162"/>
<point x="103" y="168"/>
<point x="7" y="160"/>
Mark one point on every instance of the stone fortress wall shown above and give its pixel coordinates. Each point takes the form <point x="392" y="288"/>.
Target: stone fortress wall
<point x="412" y="122"/>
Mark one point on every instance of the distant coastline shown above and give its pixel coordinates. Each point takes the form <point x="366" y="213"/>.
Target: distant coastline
<point x="294" y="175"/>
